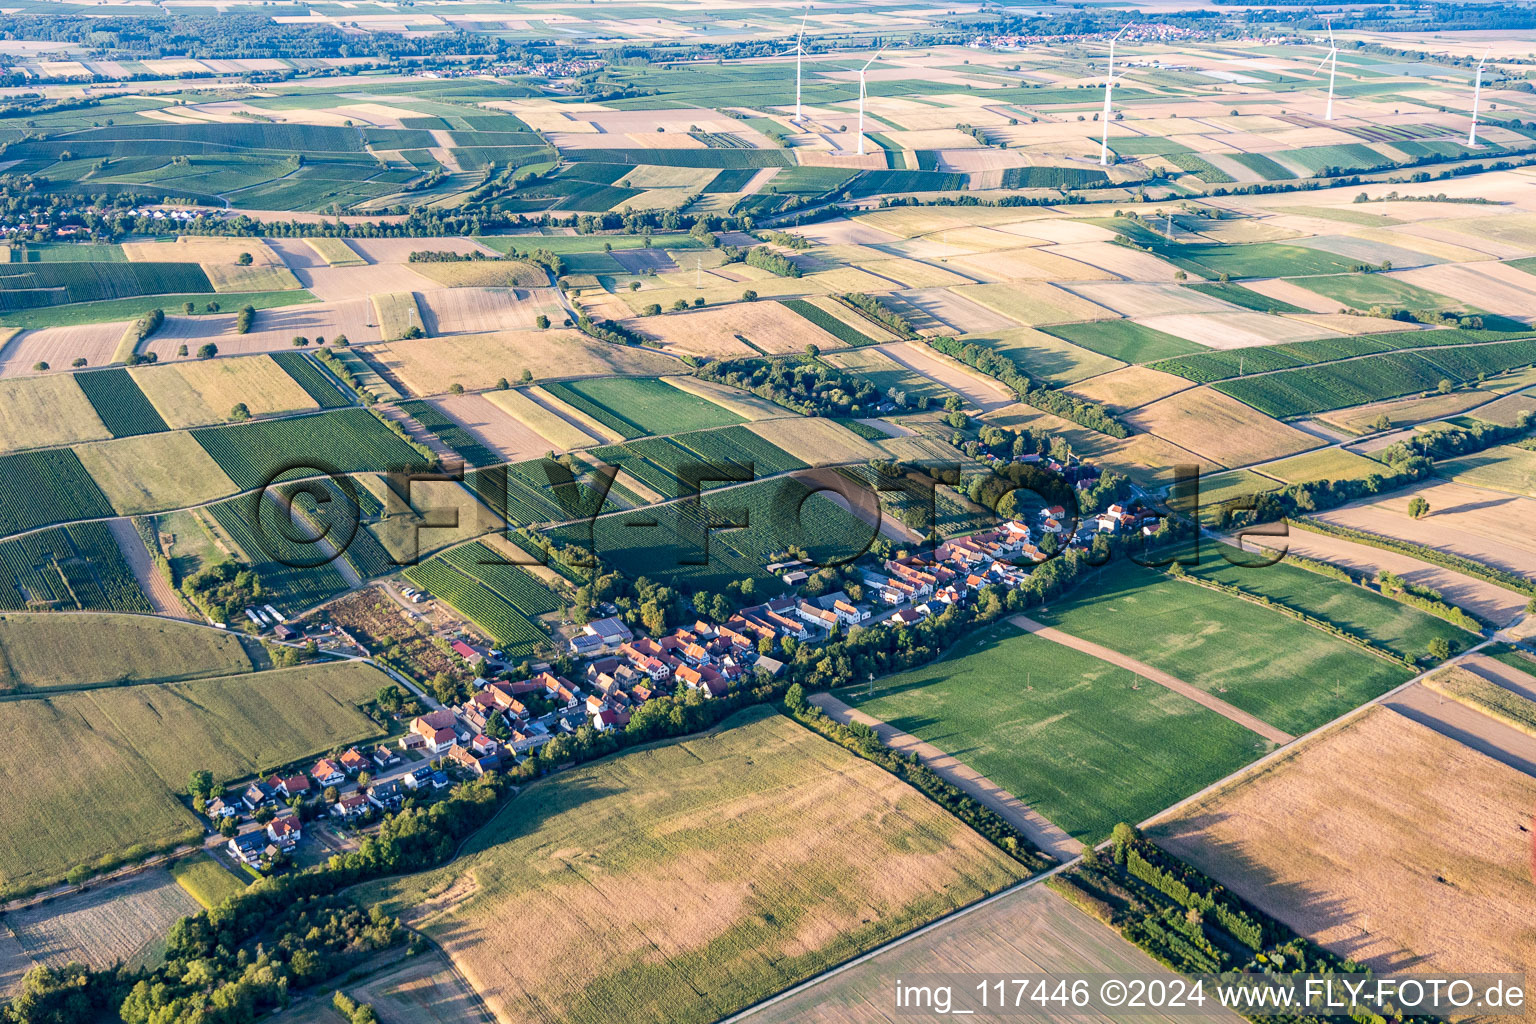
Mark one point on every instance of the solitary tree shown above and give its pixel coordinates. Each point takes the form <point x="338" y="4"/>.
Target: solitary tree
<point x="1418" y="507"/>
<point x="1439" y="648"/>
<point x="244" y="259"/>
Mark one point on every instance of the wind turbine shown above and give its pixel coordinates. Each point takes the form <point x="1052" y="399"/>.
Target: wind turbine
<point x="799" y="52"/>
<point x="1331" y="58"/>
<point x="1477" y="90"/>
<point x="1109" y="81"/>
<point x="862" y="94"/>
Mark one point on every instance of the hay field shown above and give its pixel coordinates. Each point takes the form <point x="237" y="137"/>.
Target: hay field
<point x="765" y="853"/>
<point x="123" y="921"/>
<point x="1492" y="527"/>
<point x="1502" y="468"/>
<point x="206" y="880"/>
<point x="1331" y="839"/>
<point x="767" y="326"/>
<point x="1031" y="931"/>
<point x="42" y="411"/>
<point x="192" y="393"/>
<point x="237" y="279"/>
<point x="490" y="425"/>
<point x="43" y="651"/>
<point x="1327" y="464"/>
<point x="1128" y="387"/>
<point x="1219" y="428"/>
<point x="335" y="252"/>
<point x="1033" y="303"/>
<point x="1235" y="330"/>
<point x="476" y="310"/>
<point x="975" y="387"/>
<point x="397" y="314"/>
<point x="428" y="366"/>
<point x="561" y="434"/>
<point x="273" y="331"/>
<point x="154" y="472"/>
<point x="817" y="441"/>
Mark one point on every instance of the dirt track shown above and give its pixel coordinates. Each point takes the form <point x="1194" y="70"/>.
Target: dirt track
<point x="1035" y="827"/>
<point x="161" y="595"/>
<point x="1173" y="683"/>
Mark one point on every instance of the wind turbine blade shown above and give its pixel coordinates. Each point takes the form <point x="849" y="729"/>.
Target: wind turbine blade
<point x="1331" y="43"/>
<point x="1123" y="28"/>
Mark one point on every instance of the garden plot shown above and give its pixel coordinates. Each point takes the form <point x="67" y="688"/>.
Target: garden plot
<point x="1219" y="428"/>
<point x="1129" y="387"/>
<point x="122" y="921"/>
<point x="429" y="366"/>
<point x="1329" y="839"/>
<point x="1491" y="527"/>
<point x="194" y="393"/>
<point x="1032" y="303"/>
<point x="61" y="346"/>
<point x="768" y="327"/>
<point x="274" y="329"/>
<point x="1119" y="260"/>
<point x="1144" y="300"/>
<point x="1235" y="330"/>
<point x="489" y="424"/>
<point x="481" y="310"/>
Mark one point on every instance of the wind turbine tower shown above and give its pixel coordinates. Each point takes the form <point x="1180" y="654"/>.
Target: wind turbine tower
<point x="800" y="52"/>
<point x="1331" y="58"/>
<point x="1109" y="82"/>
<point x="862" y="94"/>
<point x="1477" y="90"/>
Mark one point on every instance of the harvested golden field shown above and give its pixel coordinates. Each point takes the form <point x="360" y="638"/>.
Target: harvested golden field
<point x="1146" y="459"/>
<point x="764" y="854"/>
<point x="335" y="252"/>
<point x="155" y="472"/>
<point x="912" y="273"/>
<point x="766" y="326"/>
<point x="1130" y="298"/>
<point x="1492" y="527"/>
<point x="1235" y="330"/>
<point x="1506" y="410"/>
<point x="1028" y="264"/>
<point x="234" y="278"/>
<point x="204" y="249"/>
<point x="1119" y="260"/>
<point x="427" y="990"/>
<point x="1500" y="468"/>
<point x="1361" y="419"/>
<point x="1220" y="428"/>
<point x="484" y="274"/>
<point x="1129" y="387"/>
<point x="975" y="387"/>
<point x="491" y="426"/>
<point x="60" y="346"/>
<point x="1045" y="357"/>
<point x="1286" y="291"/>
<point x="1029" y="931"/>
<point x="123" y="921"/>
<point x="397" y="314"/>
<point x="562" y="434"/>
<point x="744" y="404"/>
<point x="1033" y="303"/>
<point x="908" y="221"/>
<point x="47" y="651"/>
<point x="1487" y="285"/>
<point x="481" y="310"/>
<point x="41" y="411"/>
<point x="1384" y="841"/>
<point x="411" y="532"/>
<point x="428" y="366"/>
<point x="585" y="422"/>
<point x="191" y="393"/>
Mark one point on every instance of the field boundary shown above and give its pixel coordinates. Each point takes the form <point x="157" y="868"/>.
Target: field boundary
<point x="1250" y="722"/>
<point x="1040" y="830"/>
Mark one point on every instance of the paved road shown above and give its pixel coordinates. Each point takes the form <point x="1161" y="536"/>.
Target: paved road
<point x="1036" y="828"/>
<point x="1173" y="683"/>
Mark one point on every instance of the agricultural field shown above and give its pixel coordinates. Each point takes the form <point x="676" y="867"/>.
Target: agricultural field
<point x="200" y="392"/>
<point x="344" y="440"/>
<point x="90" y="775"/>
<point x="478" y="361"/>
<point x="1029" y="930"/>
<point x="839" y="858"/>
<point x="335" y="252"/>
<point x="1333" y="831"/>
<point x="154" y="472"/>
<point x="1214" y="426"/>
<point x="637" y="406"/>
<point x="122" y="405"/>
<point x="206" y="880"/>
<point x="48" y="652"/>
<point x="1128" y="388"/>
<point x="398" y="315"/>
<point x="122" y="921"/>
<point x="1327" y="464"/>
<point x="1503" y="468"/>
<point x="1289" y="674"/>
<point x="1046" y="358"/>
<point x="426" y="991"/>
<point x="38" y="412"/>
<point x="1125" y="340"/>
<point x="1077" y="739"/>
